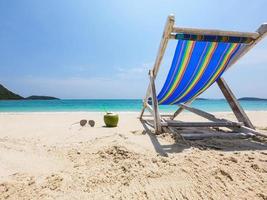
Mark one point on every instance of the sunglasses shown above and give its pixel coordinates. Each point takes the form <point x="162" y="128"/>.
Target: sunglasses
<point x="83" y="122"/>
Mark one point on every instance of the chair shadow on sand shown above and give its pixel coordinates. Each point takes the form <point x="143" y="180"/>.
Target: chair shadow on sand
<point x="218" y="144"/>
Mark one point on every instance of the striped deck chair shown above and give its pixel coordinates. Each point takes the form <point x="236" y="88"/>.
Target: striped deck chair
<point x="200" y="59"/>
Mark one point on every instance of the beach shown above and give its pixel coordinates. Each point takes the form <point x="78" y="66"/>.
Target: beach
<point x="47" y="155"/>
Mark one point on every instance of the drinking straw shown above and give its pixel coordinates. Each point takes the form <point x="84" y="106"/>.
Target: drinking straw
<point x="104" y="108"/>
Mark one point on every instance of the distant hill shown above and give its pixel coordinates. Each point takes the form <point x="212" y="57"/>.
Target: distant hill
<point x="5" y="94"/>
<point x="251" y="99"/>
<point x="35" y="97"/>
<point x="202" y="99"/>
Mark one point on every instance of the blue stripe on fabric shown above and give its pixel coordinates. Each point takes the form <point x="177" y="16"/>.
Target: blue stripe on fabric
<point x="192" y="71"/>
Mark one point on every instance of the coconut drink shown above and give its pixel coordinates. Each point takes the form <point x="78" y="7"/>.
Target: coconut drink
<point x="111" y="119"/>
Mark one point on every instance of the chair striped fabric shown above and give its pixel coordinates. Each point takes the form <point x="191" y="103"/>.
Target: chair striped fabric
<point x="197" y="63"/>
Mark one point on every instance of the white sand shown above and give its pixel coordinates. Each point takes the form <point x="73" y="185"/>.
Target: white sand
<point x="43" y="157"/>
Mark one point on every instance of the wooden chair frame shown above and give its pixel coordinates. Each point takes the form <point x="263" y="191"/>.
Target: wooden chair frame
<point x="243" y="125"/>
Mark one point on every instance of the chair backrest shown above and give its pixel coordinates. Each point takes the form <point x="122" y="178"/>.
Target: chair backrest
<point x="198" y="62"/>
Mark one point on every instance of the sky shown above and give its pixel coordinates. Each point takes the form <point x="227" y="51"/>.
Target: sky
<point x="75" y="49"/>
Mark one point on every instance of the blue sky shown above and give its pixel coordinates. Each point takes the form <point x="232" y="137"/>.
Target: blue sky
<point x="103" y="49"/>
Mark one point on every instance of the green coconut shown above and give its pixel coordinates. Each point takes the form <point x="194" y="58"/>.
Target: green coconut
<point x="111" y="119"/>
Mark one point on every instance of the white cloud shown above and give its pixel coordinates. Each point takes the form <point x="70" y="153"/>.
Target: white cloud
<point x="78" y="87"/>
<point x="135" y="73"/>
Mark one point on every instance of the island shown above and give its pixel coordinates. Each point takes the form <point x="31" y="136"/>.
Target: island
<point x="202" y="99"/>
<point x="251" y="99"/>
<point x="36" y="97"/>
<point x="6" y="94"/>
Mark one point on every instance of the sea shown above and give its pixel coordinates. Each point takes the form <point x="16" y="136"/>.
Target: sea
<point x="117" y="105"/>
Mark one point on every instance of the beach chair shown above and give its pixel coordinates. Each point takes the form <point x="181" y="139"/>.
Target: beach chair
<point x="200" y="59"/>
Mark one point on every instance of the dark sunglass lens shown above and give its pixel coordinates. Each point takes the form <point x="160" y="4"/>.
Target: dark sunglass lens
<point x="83" y="122"/>
<point x="91" y="123"/>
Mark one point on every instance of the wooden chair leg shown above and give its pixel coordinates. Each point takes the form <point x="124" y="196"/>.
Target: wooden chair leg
<point x="142" y="112"/>
<point x="235" y="106"/>
<point x="157" y="120"/>
<point x="181" y="109"/>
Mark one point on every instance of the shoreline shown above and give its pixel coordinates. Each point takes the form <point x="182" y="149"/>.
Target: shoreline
<point x="116" y="105"/>
<point x="122" y="112"/>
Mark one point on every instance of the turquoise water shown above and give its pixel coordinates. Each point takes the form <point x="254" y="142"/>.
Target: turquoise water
<point x="100" y="105"/>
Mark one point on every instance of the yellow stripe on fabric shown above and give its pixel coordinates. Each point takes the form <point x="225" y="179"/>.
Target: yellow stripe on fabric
<point x="220" y="69"/>
<point x="203" y="67"/>
<point x="184" y="63"/>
